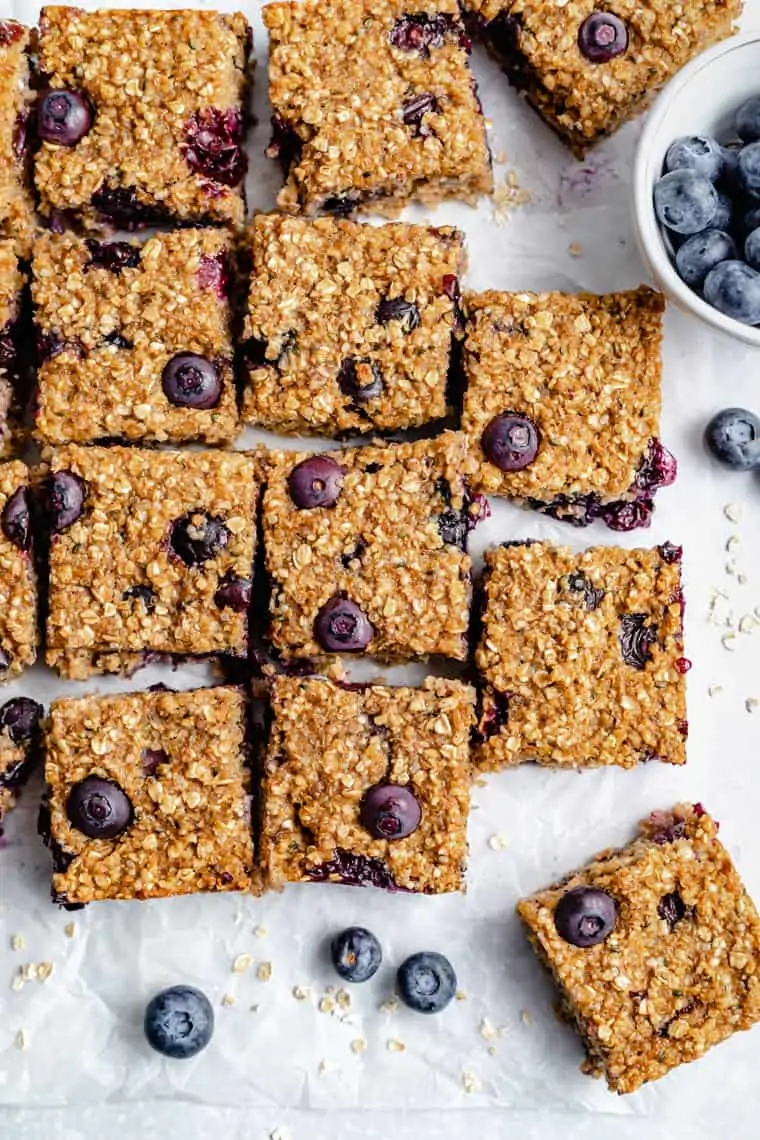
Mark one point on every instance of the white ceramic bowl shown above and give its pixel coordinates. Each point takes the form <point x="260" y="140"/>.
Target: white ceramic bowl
<point x="701" y="99"/>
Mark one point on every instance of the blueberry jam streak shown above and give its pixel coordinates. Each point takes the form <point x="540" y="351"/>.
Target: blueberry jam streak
<point x="113" y="256"/>
<point x="355" y="871"/>
<point x="284" y="144"/>
<point x="214" y="273"/>
<point x="671" y="908"/>
<point x="120" y="208"/>
<point x="636" y="639"/>
<point x="52" y="344"/>
<point x="214" y="145"/>
<point x="491" y="722"/>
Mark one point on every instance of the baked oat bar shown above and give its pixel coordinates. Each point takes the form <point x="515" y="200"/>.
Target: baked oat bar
<point x="588" y="68"/>
<point x="654" y="948"/>
<point x="367" y="785"/>
<point x="18" y="585"/>
<point x="148" y="795"/>
<point x="365" y="550"/>
<point x="374" y="105"/>
<point x="14" y="349"/>
<point x="143" y="117"/>
<point x="19" y="748"/>
<point x="581" y="657"/>
<point x="349" y="327"/>
<point x="562" y="402"/>
<point x="151" y="553"/>
<point x="16" y="205"/>
<point x="134" y="341"/>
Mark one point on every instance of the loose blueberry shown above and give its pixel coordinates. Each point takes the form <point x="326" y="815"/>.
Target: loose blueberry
<point x="63" y="500"/>
<point x="191" y="381"/>
<point x="316" y="482"/>
<point x="20" y="718"/>
<point x="636" y="639"/>
<point x="214" y="145"/>
<point x="99" y="808"/>
<point x="748" y="169"/>
<point x="585" y="916"/>
<point x="197" y="537"/>
<point x="733" y="437"/>
<point x="63" y="117"/>
<point x="602" y="37"/>
<point x="426" y="982"/>
<point x="360" y="379"/>
<point x="113" y="255"/>
<point x="356" y="954"/>
<point x="747" y="120"/>
<point x="342" y="627"/>
<point x="511" y="441"/>
<point x="15" y="519"/>
<point x="734" y="289"/>
<point x="702" y="252"/>
<point x="179" y="1022"/>
<point x="413" y="113"/>
<point x="390" y="811"/>
<point x="398" y="309"/>
<point x="234" y="594"/>
<point x="698" y="153"/>
<point x="684" y="202"/>
<point x="752" y="249"/>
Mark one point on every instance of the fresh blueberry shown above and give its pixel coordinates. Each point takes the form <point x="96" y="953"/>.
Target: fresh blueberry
<point x="360" y="378"/>
<point x="511" y="441"/>
<point x="390" y="811"/>
<point x="684" y="202"/>
<point x="748" y="169"/>
<point x="234" y="594"/>
<point x="63" y="117"/>
<point x="191" y="381"/>
<point x="585" y="916"/>
<point x="747" y="120"/>
<point x="63" y="500"/>
<point x="426" y="982"/>
<point x="99" y="808"/>
<point x="342" y="627"/>
<point x="702" y="252"/>
<point x="198" y="537"/>
<point x="734" y="289"/>
<point x="179" y="1022"/>
<point x="602" y="37"/>
<point x="702" y="155"/>
<point x="316" y="482"/>
<point x="733" y="437"/>
<point x="356" y="954"/>
<point x="730" y="165"/>
<point x="15" y="519"/>
<point x="750" y="220"/>
<point x="20" y="718"/>
<point x="752" y="249"/>
<point x="398" y="309"/>
<point x="724" y="212"/>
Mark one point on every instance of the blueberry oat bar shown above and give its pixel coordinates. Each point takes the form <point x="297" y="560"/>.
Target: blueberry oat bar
<point x="151" y="553"/>
<point x="365" y="550"/>
<point x="16" y="205"/>
<point x="562" y="402"/>
<point x="134" y="341"/>
<point x="148" y="795"/>
<point x="142" y="120"/>
<point x="581" y="657"/>
<point x="367" y="785"/>
<point x="18" y="586"/>
<point x="349" y="327"/>
<point x="654" y="948"/>
<point x="19" y="748"/>
<point x="374" y="104"/>
<point x="588" y="67"/>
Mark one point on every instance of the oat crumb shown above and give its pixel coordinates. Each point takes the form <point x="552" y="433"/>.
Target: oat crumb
<point x="242" y="964"/>
<point x="259" y="932"/>
<point x="471" y="1083"/>
<point x="727" y="641"/>
<point x="343" y="998"/>
<point x="492" y="1050"/>
<point x="18" y="942"/>
<point x="748" y="624"/>
<point x="526" y="1017"/>
<point x="487" y="1030"/>
<point x="742" y="579"/>
<point x="575" y="249"/>
<point x="733" y="543"/>
<point x="44" y="970"/>
<point x="18" y="982"/>
<point x="396" y="1046"/>
<point x="264" y="973"/>
<point x="358" y="1045"/>
<point x="70" y="929"/>
<point x="326" y="1066"/>
<point x="461" y="995"/>
<point x="751" y="704"/>
<point x="498" y="842"/>
<point x="714" y="690"/>
<point x="301" y="993"/>
<point x="229" y="999"/>
<point x="733" y="512"/>
<point x="326" y="1004"/>
<point x="481" y="783"/>
<point x="20" y="1040"/>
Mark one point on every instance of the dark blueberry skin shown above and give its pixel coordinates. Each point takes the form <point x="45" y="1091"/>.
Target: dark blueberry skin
<point x="602" y="37"/>
<point x="390" y="811"/>
<point x="420" y="32"/>
<point x="752" y="249"/>
<point x="6" y="660"/>
<point x="215" y="273"/>
<point x="63" y="117"/>
<point x="234" y="594"/>
<point x="316" y="482"/>
<point x="214" y="145"/>
<point x="698" y="153"/>
<point x="733" y="288"/>
<point x="99" y="808"/>
<point x="120" y="207"/>
<point x="671" y="908"/>
<point x="191" y="381"/>
<point x="426" y="982"/>
<point x="152" y="759"/>
<point x="15" y="519"/>
<point x="145" y="594"/>
<point x="197" y="537"/>
<point x="113" y="255"/>
<point x="63" y="500"/>
<point x="413" y="113"/>
<point x="747" y="121"/>
<point x="356" y="954"/>
<point x="724" y="213"/>
<point x="360" y="378"/>
<point x="398" y="309"/>
<point x="342" y="627"/>
<point x="585" y="916"/>
<point x="684" y="202"/>
<point x="636" y="639"/>
<point x="20" y="718"/>
<point x="733" y="437"/>
<point x="179" y="1022"/>
<point x="355" y="871"/>
<point x="748" y="169"/>
<point x="511" y="441"/>
<point x="702" y="252"/>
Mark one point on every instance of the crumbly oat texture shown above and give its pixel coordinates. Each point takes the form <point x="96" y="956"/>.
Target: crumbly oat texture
<point x="679" y="973"/>
<point x="375" y="104"/>
<point x="18" y="586"/>
<point x="328" y="297"/>
<point x="181" y="759"/>
<point x="11" y="363"/>
<point x="585" y="368"/>
<point x="537" y="42"/>
<point x="16" y="205"/>
<point x="329" y="745"/>
<point x="383" y="545"/>
<point x="118" y="589"/>
<point x="110" y="318"/>
<point x="167" y="90"/>
<point x="581" y="657"/>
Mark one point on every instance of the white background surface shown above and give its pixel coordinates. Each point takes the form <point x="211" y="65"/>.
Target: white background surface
<point x="86" y="1073"/>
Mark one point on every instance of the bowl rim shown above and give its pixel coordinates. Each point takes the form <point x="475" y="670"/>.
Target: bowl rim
<point x="650" y="237"/>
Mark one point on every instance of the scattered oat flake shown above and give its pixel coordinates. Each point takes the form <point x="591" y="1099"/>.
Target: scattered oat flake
<point x="18" y="982"/>
<point x="18" y="942"/>
<point x="391" y="1005"/>
<point x="358" y="1045"/>
<point x="713" y="690"/>
<point x="498" y="842"/>
<point x="326" y="1066"/>
<point x="301" y="993"/>
<point x="396" y="1046"/>
<point x="44" y="970"/>
<point x="727" y="641"/>
<point x="280" y="1134"/>
<point x="730" y="567"/>
<point x="70" y="929"/>
<point x="732" y="543"/>
<point x="20" y="1040"/>
<point x="28" y="971"/>
<point x="748" y="624"/>
<point x="264" y="973"/>
<point x="461" y="995"/>
<point x="481" y="783"/>
<point x="326" y="1004"/>
<point x="242" y="964"/>
<point x="526" y="1017"/>
<point x="751" y="704"/>
<point x="492" y="1050"/>
<point x="575" y="249"/>
<point x="500" y="158"/>
<point x="488" y="1030"/>
<point x="229" y="999"/>
<point x="742" y="579"/>
<point x="508" y="195"/>
<point x="260" y="932"/>
<point x="733" y="512"/>
<point x="471" y="1083"/>
<point x="343" y="999"/>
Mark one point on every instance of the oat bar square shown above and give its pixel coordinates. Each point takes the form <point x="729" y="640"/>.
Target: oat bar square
<point x="16" y="204"/>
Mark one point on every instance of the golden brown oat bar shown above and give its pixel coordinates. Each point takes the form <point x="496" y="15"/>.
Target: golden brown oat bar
<point x="16" y="205"/>
<point x="562" y="402"/>
<point x="588" y="68"/>
<point x="374" y="104"/>
<point x="655" y="948"/>
<point x="148" y="795"/>
<point x="365" y="550"/>
<point x="14" y="350"/>
<point x="581" y="657"/>
<point x="349" y="326"/>
<point x="367" y="785"/>
<point x="19" y="747"/>
<point x="134" y="341"/>
<point x="151" y="553"/>
<point x="144" y="116"/>
<point x="18" y="586"/>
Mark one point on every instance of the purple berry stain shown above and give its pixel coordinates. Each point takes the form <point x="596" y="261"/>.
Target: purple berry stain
<point x="214" y="145"/>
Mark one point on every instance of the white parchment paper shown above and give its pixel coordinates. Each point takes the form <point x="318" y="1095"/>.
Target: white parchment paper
<point x="75" y="1038"/>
